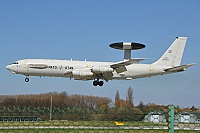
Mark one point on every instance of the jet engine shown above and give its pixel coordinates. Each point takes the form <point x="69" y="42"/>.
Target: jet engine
<point x="101" y="69"/>
<point x="81" y="73"/>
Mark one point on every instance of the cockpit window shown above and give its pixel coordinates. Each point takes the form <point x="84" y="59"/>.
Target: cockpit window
<point x="15" y="63"/>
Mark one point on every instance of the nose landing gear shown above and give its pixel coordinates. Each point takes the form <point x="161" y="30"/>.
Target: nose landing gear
<point x="97" y="82"/>
<point x="26" y="79"/>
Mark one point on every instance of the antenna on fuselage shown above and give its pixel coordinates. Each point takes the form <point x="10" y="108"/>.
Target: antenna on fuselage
<point x="127" y="47"/>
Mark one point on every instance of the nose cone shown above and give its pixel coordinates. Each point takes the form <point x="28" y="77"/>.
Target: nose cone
<point x="8" y="67"/>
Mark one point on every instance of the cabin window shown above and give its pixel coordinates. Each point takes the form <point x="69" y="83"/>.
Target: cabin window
<point x="15" y="63"/>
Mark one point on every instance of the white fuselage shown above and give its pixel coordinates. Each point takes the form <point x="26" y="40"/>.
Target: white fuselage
<point x="63" y="68"/>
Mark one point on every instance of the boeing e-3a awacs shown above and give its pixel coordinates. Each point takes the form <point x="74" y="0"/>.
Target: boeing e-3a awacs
<point x="99" y="71"/>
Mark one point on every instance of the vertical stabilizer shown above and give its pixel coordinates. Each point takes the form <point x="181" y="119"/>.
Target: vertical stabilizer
<point x="173" y="55"/>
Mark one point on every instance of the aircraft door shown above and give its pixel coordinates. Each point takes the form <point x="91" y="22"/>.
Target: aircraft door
<point x="151" y="69"/>
<point x="26" y="65"/>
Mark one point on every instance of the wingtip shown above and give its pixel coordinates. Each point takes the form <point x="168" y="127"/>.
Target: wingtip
<point x="192" y="64"/>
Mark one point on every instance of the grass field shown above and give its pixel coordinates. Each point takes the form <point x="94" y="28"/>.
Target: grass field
<point x="85" y="126"/>
<point x="78" y="123"/>
<point x="92" y="131"/>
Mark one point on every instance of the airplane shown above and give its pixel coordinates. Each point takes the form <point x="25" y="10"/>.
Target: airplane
<point x="128" y="69"/>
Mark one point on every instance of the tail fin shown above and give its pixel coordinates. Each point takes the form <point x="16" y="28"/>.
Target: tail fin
<point x="173" y="55"/>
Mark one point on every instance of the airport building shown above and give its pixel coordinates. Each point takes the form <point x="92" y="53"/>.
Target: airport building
<point x="186" y="117"/>
<point x="155" y="117"/>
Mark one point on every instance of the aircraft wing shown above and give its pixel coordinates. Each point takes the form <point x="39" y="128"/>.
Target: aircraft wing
<point x="126" y="62"/>
<point x="120" y="66"/>
<point x="179" y="68"/>
<point x="68" y="72"/>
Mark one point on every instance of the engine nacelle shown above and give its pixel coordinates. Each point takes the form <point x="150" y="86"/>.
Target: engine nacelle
<point x="101" y="69"/>
<point x="81" y="73"/>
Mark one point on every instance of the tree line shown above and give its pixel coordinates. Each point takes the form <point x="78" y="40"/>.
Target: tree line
<point x="70" y="107"/>
<point x="79" y="107"/>
<point x="58" y="100"/>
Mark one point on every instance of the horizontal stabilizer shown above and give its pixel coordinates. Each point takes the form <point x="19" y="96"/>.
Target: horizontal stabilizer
<point x="126" y="62"/>
<point x="179" y="68"/>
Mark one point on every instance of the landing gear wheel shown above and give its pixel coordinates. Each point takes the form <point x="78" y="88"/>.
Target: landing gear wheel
<point x="95" y="83"/>
<point x="101" y="83"/>
<point x="26" y="79"/>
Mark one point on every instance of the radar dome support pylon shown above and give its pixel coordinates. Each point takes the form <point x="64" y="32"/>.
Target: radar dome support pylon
<point x="127" y="47"/>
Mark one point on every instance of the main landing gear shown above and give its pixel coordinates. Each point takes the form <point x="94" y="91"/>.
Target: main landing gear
<point x="97" y="82"/>
<point x="26" y="79"/>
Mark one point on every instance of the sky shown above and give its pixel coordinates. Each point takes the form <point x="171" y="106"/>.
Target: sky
<point x="82" y="30"/>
